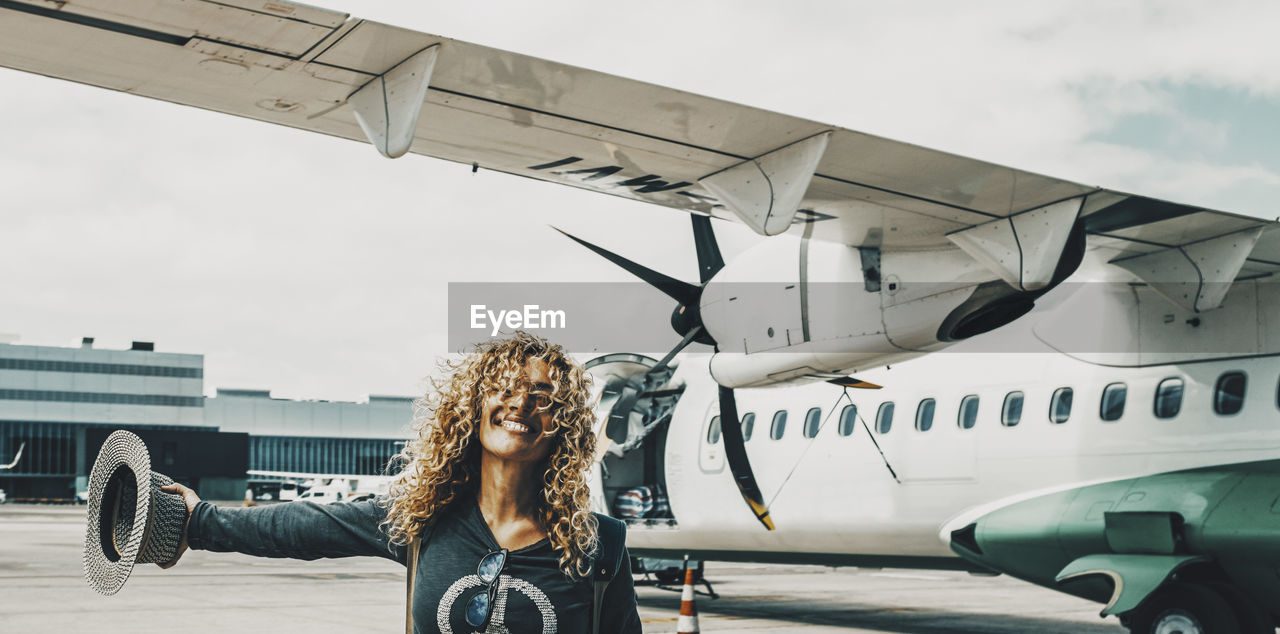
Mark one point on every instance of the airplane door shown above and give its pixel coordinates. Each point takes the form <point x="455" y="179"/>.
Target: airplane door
<point x="711" y="443"/>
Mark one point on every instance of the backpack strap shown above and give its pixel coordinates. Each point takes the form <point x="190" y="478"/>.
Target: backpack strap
<point x="411" y="566"/>
<point x="607" y="561"/>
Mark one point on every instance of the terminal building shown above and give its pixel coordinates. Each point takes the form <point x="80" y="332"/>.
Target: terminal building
<point x="57" y="405"/>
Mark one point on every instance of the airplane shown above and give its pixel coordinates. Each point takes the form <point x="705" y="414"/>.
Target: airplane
<point x="962" y="365"/>
<point x="16" y="458"/>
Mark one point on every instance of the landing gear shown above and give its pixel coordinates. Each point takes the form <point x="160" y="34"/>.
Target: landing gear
<point x="671" y="577"/>
<point x="1188" y="608"/>
<point x="1252" y="618"/>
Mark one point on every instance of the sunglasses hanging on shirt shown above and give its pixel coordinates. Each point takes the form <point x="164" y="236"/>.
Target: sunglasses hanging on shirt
<point x="480" y="607"/>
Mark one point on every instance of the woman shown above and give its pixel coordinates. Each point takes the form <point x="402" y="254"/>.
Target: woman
<point x="493" y="487"/>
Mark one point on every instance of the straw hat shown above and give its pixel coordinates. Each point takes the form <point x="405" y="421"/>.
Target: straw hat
<point x="124" y="527"/>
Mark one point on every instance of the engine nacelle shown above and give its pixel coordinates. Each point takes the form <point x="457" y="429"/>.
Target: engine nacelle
<point x="832" y="309"/>
<point x="1117" y="542"/>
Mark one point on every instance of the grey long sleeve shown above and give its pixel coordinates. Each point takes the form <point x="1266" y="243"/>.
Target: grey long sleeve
<point x="298" y="530"/>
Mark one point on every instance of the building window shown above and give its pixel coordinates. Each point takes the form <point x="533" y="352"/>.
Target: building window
<point x="1169" y="397"/>
<point x="812" y="421"/>
<point x="1060" y="405"/>
<point x="354" y="456"/>
<point x="848" y="419"/>
<point x="1113" y="398"/>
<point x="41" y="365"/>
<point x="1228" y="395"/>
<point x="924" y="414"/>
<point x="1011" y="412"/>
<point x="884" y="417"/>
<point x="713" y="431"/>
<point x="779" y="426"/>
<point x="748" y="424"/>
<point x="109" y="398"/>
<point x="968" y="416"/>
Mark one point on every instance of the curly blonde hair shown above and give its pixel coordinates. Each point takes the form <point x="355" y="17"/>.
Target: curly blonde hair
<point x="443" y="459"/>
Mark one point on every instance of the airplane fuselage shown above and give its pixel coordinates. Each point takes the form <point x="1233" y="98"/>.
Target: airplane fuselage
<point x="837" y="500"/>
<point x="834" y="499"/>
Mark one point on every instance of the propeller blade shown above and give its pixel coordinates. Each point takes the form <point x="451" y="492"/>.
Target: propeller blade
<point x="736" y="453"/>
<point x="682" y="292"/>
<point x="853" y="381"/>
<point x="684" y="343"/>
<point x="704" y="240"/>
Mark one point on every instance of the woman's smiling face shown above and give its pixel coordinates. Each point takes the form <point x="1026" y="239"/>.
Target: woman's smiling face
<point x="517" y="423"/>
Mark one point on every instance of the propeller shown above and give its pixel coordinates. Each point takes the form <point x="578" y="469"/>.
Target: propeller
<point x="735" y="451"/>
<point x="687" y="321"/>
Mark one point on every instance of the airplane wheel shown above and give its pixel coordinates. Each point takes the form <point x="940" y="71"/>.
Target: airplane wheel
<point x="670" y="576"/>
<point x="1251" y="618"/>
<point x="1184" y="608"/>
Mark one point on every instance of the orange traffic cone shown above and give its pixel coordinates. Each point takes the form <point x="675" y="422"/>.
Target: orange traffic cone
<point x="688" y="623"/>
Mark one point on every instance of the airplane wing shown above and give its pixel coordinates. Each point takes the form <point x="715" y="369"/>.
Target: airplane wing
<point x="405" y="91"/>
<point x="326" y="72"/>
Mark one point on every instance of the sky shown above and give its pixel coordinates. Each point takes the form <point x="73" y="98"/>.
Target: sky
<point x="317" y="269"/>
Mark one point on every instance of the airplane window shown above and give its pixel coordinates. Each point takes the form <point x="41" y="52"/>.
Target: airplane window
<point x="812" y="421"/>
<point x="1011" y="413"/>
<point x="924" y="414"/>
<point x="884" y="417"/>
<point x="968" y="412"/>
<point x="713" y="431"/>
<point x="1060" y="405"/>
<point x="748" y="424"/>
<point x="1113" y="401"/>
<point x="1228" y="395"/>
<point x="848" y="419"/>
<point x="1169" y="397"/>
<point x="779" y="426"/>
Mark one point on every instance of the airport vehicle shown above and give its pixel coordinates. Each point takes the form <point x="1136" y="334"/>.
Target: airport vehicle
<point x="323" y="495"/>
<point x="3" y="497"/>
<point x="1134" y="463"/>
<point x="319" y="487"/>
<point x="273" y="490"/>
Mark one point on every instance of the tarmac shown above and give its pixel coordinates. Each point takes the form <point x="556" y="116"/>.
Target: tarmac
<point x="42" y="590"/>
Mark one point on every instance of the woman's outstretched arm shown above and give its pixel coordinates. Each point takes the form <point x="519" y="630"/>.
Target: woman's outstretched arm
<point x="298" y="530"/>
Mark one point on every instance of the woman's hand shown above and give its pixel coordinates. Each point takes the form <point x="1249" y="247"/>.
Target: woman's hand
<point x="191" y="500"/>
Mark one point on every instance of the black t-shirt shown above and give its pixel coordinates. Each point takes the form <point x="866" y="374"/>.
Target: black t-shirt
<point x="533" y="595"/>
